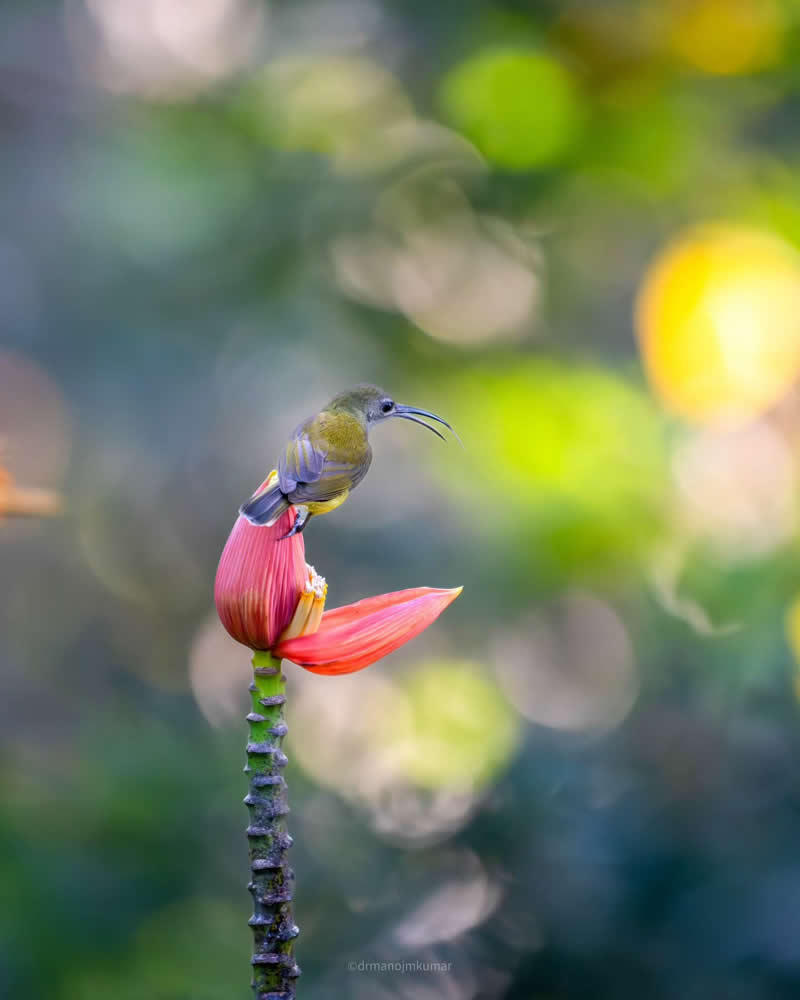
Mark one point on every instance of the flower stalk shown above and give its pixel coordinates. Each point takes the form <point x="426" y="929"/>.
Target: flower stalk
<point x="272" y="880"/>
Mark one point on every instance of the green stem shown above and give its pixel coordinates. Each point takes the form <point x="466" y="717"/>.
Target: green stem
<point x="272" y="880"/>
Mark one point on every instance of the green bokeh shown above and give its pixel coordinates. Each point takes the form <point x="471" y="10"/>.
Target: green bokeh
<point x="519" y="106"/>
<point x="463" y="732"/>
<point x="164" y="961"/>
<point x="574" y="457"/>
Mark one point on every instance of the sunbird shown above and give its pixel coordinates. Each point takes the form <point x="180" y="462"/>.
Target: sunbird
<point x="328" y="455"/>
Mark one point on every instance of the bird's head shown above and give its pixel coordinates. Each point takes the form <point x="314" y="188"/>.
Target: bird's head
<point x="374" y="405"/>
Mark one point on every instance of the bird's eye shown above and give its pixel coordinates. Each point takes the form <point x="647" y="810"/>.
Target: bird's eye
<point x="387" y="406"/>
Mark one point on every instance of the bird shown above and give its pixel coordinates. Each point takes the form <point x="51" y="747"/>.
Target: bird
<point x="328" y="455"/>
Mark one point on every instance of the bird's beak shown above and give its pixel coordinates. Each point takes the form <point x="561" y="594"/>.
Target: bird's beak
<point x="413" y="413"/>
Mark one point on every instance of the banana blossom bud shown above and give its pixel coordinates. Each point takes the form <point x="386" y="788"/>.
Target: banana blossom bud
<point x="269" y="599"/>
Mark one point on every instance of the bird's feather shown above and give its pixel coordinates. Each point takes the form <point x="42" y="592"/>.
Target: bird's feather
<point x="265" y="506"/>
<point x="301" y="462"/>
<point x="331" y="483"/>
<point x="325" y="457"/>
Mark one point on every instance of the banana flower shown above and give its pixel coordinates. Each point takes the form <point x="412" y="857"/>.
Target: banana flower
<point x="270" y="600"/>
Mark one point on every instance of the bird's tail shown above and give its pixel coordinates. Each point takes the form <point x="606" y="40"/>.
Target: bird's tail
<point x="265" y="506"/>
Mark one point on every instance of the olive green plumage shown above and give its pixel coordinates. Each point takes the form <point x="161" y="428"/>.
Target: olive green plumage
<point x="328" y="455"/>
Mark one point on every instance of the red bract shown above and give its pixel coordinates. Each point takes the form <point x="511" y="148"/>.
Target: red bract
<point x="268" y="599"/>
<point x="259" y="580"/>
<point x="352" y="637"/>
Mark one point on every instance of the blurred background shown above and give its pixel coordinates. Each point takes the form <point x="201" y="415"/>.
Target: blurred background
<point x="571" y="228"/>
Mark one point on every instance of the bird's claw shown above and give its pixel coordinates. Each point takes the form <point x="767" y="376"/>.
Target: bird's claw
<point x="300" y="521"/>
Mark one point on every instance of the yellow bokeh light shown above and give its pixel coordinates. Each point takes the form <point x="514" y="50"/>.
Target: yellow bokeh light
<point x="793" y="638"/>
<point x="718" y="321"/>
<point x="725" y="37"/>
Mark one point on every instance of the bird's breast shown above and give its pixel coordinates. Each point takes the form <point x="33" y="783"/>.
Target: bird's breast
<point x="345" y="437"/>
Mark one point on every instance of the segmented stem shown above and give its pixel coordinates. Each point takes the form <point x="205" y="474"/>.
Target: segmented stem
<point x="272" y="880"/>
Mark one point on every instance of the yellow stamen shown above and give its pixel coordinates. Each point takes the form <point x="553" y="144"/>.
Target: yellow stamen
<point x="300" y="616"/>
<point x="317" y="609"/>
<point x="310" y="606"/>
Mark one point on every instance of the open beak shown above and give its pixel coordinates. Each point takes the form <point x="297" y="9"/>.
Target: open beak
<point x="413" y="413"/>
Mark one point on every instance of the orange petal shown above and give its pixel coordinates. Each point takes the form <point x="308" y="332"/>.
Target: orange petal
<point x="353" y="637"/>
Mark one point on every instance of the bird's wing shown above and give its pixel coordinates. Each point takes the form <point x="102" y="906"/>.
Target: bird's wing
<point x="301" y="462"/>
<point x="313" y="471"/>
<point x="335" y="478"/>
